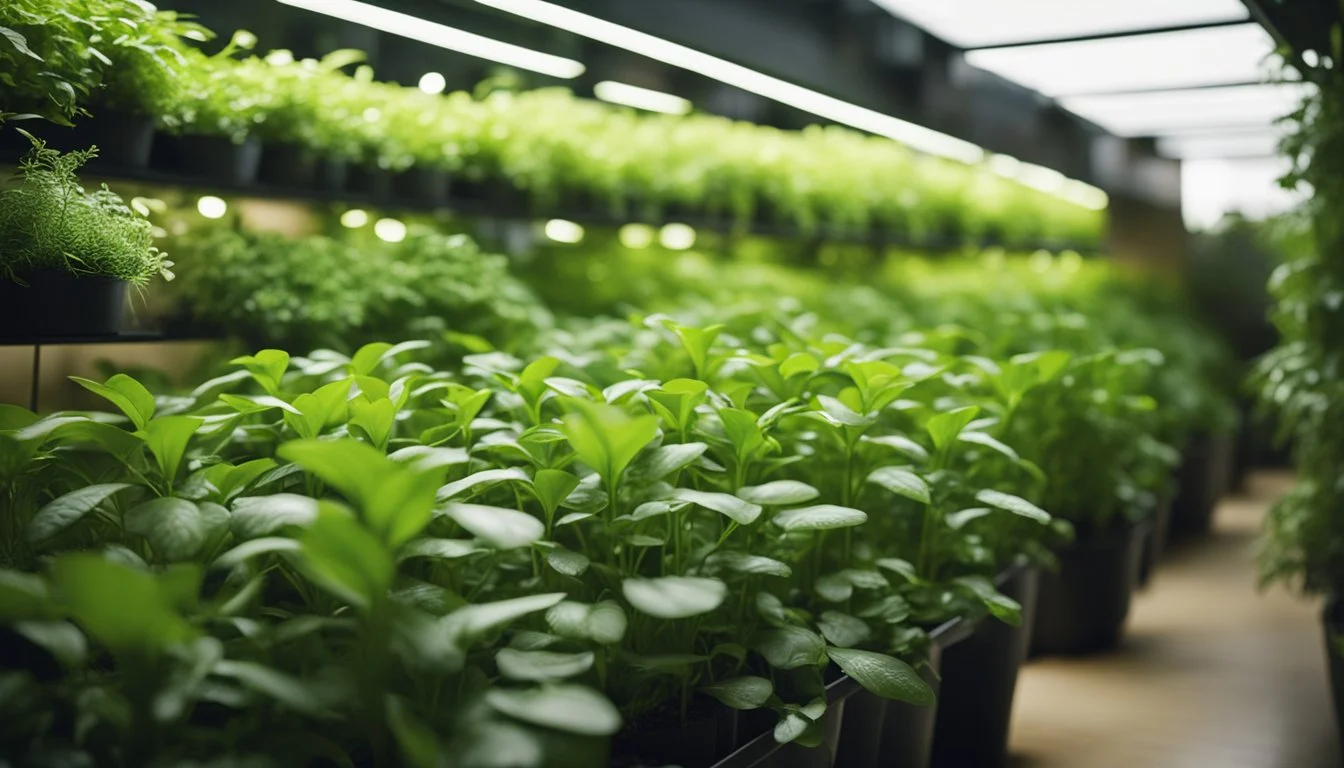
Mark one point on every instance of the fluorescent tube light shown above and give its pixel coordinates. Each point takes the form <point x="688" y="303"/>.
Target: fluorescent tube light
<point x="641" y="98"/>
<point x="1186" y="59"/>
<point x="1221" y="145"/>
<point x="1165" y="112"/>
<point x="980" y="23"/>
<point x="916" y="136"/>
<point x="1212" y="188"/>
<point x="443" y="36"/>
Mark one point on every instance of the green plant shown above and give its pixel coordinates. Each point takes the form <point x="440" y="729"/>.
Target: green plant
<point x="48" y="222"/>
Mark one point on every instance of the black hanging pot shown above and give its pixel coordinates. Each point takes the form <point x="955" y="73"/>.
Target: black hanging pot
<point x="1082" y="607"/>
<point x="213" y="158"/>
<point x="57" y="303"/>
<point x="979" y="677"/>
<point x="1202" y="479"/>
<point x="422" y="185"/>
<point x="288" y="164"/>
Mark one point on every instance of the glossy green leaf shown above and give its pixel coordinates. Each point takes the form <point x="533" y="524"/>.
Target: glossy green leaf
<point x="125" y="609"/>
<point x="884" y="675"/>
<point x="842" y="630"/>
<point x="945" y="427"/>
<point x="541" y="666"/>
<point x="607" y="438"/>
<point x="1000" y="605"/>
<point x="778" y="493"/>
<point x="822" y="517"/>
<point x="564" y="707"/>
<point x="64" y="511"/>
<point x="167" y="438"/>
<point x="127" y="394"/>
<point x="790" y="647"/>
<point x="255" y="516"/>
<point x="901" y="482"/>
<point x="736" y="509"/>
<point x="344" y="558"/>
<point x="1014" y="504"/>
<point x="498" y="527"/>
<point x="741" y="692"/>
<point x="674" y="597"/>
<point x="173" y="527"/>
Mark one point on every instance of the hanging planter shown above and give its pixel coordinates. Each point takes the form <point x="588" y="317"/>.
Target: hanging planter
<point x="979" y="678"/>
<point x="1083" y="606"/>
<point x="57" y="303"/>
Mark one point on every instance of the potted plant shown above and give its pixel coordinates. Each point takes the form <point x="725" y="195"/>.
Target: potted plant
<point x="67" y="256"/>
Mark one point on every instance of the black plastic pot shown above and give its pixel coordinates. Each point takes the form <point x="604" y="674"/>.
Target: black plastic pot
<point x="710" y="733"/>
<point x="56" y="303"/>
<point x="422" y="185"/>
<point x="1332" y="621"/>
<point x="369" y="180"/>
<point x="1202" y="479"/>
<point x="332" y="174"/>
<point x="979" y="677"/>
<point x="1155" y="543"/>
<point x="1082" y="607"/>
<point x="124" y="140"/>
<point x="210" y="157"/>
<point x="288" y="164"/>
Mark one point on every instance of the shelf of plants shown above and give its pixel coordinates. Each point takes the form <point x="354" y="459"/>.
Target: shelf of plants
<point x="773" y="516"/>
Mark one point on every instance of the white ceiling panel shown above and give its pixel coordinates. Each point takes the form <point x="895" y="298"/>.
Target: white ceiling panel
<point x="1207" y="109"/>
<point x="981" y="23"/>
<point x="1185" y="59"/>
<point x="1201" y="146"/>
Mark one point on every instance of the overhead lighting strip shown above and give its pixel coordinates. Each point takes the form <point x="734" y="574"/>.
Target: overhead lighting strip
<point x="915" y="136"/>
<point x="628" y="95"/>
<point x="443" y="36"/>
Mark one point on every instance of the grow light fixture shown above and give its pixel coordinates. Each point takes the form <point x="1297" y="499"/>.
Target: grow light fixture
<point x="636" y="236"/>
<point x="1167" y="112"/>
<point x="432" y="82"/>
<point x="677" y="237"/>
<point x="443" y="36"/>
<point x="1185" y="59"/>
<point x="641" y="98"/>
<point x="562" y="231"/>
<point x="982" y="23"/>
<point x="212" y="207"/>
<point x="673" y="54"/>
<point x="390" y="230"/>
<point x="1220" y="145"/>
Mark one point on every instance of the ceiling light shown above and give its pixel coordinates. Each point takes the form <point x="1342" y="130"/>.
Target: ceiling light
<point x="1185" y="59"/>
<point x="354" y="218"/>
<point x="1164" y="112"/>
<point x="980" y="23"/>
<point x="636" y="236"/>
<point x="390" y="230"/>
<point x="212" y="207"/>
<point x="562" y="231"/>
<point x="432" y="82"/>
<point x="1217" y="145"/>
<point x="641" y="98"/>
<point x="677" y="237"/>
<point x="805" y="99"/>
<point x="1212" y="188"/>
<point x="425" y="31"/>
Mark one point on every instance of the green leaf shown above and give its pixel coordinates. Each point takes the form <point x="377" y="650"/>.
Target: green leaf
<point x="61" y="639"/>
<point x="674" y="597"/>
<point x="498" y="527"/>
<point x="839" y="414"/>
<point x="901" y="482"/>
<point x="742" y="562"/>
<point x="779" y="493"/>
<point x="666" y="459"/>
<point x="842" y="629"/>
<point x="344" y="558"/>
<point x="370" y="356"/>
<point x="484" y="477"/>
<point x="372" y="420"/>
<point x="790" y="727"/>
<point x="437" y="549"/>
<point x="822" y="517"/>
<point x="552" y="487"/>
<point x="494" y="744"/>
<point x="958" y="520"/>
<point x="418" y="742"/>
<point x="541" y="666"/>
<point x="901" y="444"/>
<point x="1014" y="504"/>
<point x="267" y="366"/>
<point x="19" y="42"/>
<point x="607" y="438"/>
<point x="732" y="507"/>
<point x="257" y="404"/>
<point x="741" y="692"/>
<point x="255" y="516"/>
<point x="1000" y="605"/>
<point x="883" y="675"/>
<point x="564" y="707"/>
<point x="603" y="623"/>
<point x="23" y="596"/>
<point x="127" y="394"/>
<point x="173" y="527"/>
<point x="472" y="621"/>
<point x="284" y="689"/>
<point x="64" y="511"/>
<point x="945" y="427"/>
<point x="167" y="438"/>
<point x="427" y="458"/>
<point x="790" y="647"/>
<point x="567" y="562"/>
<point x="980" y="438"/>
<point x="125" y="609"/>
<point x="255" y="548"/>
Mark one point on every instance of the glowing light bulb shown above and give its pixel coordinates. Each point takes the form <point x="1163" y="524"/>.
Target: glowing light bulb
<point x="390" y="230"/>
<point x="677" y="237"/>
<point x="212" y="207"/>
<point x="354" y="218"/>
<point x="433" y="82"/>
<point x="562" y="231"/>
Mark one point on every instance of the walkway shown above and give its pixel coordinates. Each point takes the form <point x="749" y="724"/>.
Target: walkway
<point x="1213" y="674"/>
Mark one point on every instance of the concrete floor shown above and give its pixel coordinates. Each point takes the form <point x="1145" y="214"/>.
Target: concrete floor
<point x="1213" y="673"/>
